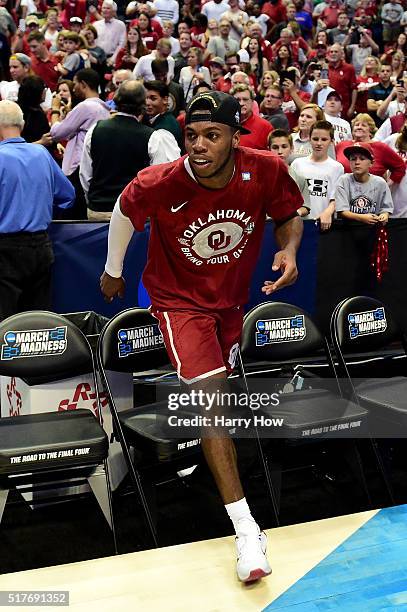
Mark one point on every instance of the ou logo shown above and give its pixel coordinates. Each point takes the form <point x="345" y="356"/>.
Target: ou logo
<point x="217" y="239"/>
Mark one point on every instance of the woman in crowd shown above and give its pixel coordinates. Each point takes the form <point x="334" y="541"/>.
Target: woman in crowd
<point x="310" y="114"/>
<point x="270" y="77"/>
<point x="385" y="158"/>
<point x="258" y="63"/>
<point x="399" y="45"/>
<point x="147" y="33"/>
<point x="189" y="9"/>
<point x="97" y="56"/>
<point x="51" y="28"/>
<point x="63" y="9"/>
<point x="398" y="65"/>
<point x="398" y="143"/>
<point x="128" y="56"/>
<point x="321" y="39"/>
<point x="65" y="92"/>
<point x="211" y="30"/>
<point x="194" y="73"/>
<point x="369" y="76"/>
<point x="30" y="97"/>
<point x="283" y="59"/>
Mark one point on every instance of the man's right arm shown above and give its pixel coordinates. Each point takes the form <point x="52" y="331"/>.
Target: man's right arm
<point x="120" y="233"/>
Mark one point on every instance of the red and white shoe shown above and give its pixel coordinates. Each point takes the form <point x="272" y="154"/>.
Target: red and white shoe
<point x="251" y="545"/>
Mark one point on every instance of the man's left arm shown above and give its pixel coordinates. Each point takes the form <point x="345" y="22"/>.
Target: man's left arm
<point x="288" y="236"/>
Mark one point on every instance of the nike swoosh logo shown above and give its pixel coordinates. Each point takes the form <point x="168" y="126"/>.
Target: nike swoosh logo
<point x="177" y="208"/>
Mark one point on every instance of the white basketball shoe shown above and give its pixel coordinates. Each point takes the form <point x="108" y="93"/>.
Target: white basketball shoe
<point x="251" y="545"/>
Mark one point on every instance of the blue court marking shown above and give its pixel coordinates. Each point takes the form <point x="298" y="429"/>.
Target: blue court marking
<point x="366" y="573"/>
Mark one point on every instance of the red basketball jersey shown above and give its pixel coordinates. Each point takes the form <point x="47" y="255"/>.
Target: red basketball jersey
<point x="204" y="243"/>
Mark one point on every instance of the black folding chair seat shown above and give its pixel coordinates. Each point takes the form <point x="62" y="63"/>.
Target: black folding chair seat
<point x="49" y="441"/>
<point x="147" y="429"/>
<point x="312" y="411"/>
<point x="385" y="399"/>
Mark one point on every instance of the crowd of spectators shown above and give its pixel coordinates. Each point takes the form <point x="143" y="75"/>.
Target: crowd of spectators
<point x="91" y="76"/>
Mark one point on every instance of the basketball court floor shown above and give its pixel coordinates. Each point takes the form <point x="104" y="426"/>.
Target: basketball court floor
<point x="351" y="563"/>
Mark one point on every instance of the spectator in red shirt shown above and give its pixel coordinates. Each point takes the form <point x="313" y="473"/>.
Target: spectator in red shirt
<point x="149" y="37"/>
<point x="20" y="44"/>
<point x="342" y="78"/>
<point x="329" y="15"/>
<point x="287" y="38"/>
<point x="156" y="25"/>
<point x="259" y="128"/>
<point x="275" y="10"/>
<point x="294" y="99"/>
<point x="385" y="159"/>
<point x="75" y="8"/>
<point x="42" y="62"/>
<point x="129" y="55"/>
<point x="368" y="77"/>
<point x="217" y="69"/>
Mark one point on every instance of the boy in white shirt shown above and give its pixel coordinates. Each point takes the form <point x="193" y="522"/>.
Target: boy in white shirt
<point x="332" y="110"/>
<point x="281" y="143"/>
<point x="321" y="173"/>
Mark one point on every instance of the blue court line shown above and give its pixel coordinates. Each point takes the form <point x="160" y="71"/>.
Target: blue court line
<point x="366" y="573"/>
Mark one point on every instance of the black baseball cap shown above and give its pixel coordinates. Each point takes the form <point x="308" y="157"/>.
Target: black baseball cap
<point x="334" y="94"/>
<point x="222" y="107"/>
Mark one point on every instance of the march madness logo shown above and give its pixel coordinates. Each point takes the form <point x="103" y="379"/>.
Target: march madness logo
<point x="288" y="329"/>
<point x="33" y="343"/>
<point x="366" y="323"/>
<point x="139" y="339"/>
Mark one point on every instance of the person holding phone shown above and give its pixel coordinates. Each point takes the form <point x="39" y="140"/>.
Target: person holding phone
<point x="322" y="86"/>
<point x="380" y="92"/>
<point x="395" y="103"/>
<point x="194" y="73"/>
<point x="357" y="53"/>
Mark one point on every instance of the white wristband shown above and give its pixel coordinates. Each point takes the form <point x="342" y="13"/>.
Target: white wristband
<point x="120" y="233"/>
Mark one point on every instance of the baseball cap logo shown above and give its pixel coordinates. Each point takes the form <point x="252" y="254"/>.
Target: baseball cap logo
<point x="204" y="96"/>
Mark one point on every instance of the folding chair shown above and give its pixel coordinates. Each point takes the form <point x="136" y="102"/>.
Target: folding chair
<point x="132" y="342"/>
<point x="278" y="334"/>
<point x="49" y="447"/>
<point x="365" y="326"/>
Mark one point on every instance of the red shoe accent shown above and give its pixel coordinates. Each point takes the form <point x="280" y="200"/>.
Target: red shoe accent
<point x="256" y="574"/>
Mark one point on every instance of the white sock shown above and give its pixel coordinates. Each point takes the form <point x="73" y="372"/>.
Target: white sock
<point x="241" y="517"/>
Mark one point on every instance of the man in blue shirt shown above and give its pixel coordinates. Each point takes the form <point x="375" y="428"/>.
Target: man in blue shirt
<point x="31" y="185"/>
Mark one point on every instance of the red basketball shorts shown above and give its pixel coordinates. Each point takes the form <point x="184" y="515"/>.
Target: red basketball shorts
<point x="201" y="344"/>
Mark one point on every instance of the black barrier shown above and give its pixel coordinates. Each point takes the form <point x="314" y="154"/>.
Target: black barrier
<point x="332" y="266"/>
<point x="344" y="268"/>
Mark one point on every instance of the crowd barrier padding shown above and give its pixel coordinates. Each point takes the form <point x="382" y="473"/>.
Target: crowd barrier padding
<point x="332" y="266"/>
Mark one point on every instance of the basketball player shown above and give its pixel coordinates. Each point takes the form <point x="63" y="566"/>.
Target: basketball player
<point x="207" y="213"/>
